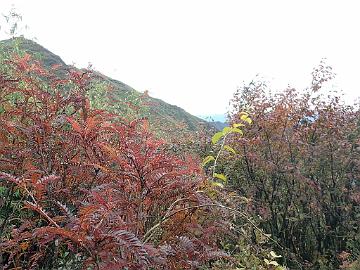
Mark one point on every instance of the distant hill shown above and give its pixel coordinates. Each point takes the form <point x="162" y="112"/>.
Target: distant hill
<point x="218" y="125"/>
<point x="165" y="117"/>
<point x="214" y="117"/>
<point x="218" y="121"/>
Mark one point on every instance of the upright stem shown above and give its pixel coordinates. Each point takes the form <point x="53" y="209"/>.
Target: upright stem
<point x="218" y="155"/>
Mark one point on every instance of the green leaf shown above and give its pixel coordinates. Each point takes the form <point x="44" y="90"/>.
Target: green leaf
<point x="207" y="160"/>
<point x="229" y="149"/>
<point x="2" y="190"/>
<point x="217" y="136"/>
<point x="220" y="176"/>
<point x="217" y="184"/>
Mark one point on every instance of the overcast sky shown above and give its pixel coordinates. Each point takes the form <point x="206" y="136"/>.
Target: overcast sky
<point x="195" y="53"/>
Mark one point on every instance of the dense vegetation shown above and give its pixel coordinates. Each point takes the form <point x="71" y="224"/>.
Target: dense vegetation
<point x="298" y="164"/>
<point x="86" y="182"/>
<point x="82" y="188"/>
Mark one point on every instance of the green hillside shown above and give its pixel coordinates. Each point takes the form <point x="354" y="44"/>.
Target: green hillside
<point x="166" y="118"/>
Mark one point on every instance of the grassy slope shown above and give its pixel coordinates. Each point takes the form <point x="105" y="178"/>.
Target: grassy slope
<point x="159" y="112"/>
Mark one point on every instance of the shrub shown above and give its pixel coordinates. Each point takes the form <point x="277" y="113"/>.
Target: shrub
<point x="82" y="188"/>
<point x="299" y="165"/>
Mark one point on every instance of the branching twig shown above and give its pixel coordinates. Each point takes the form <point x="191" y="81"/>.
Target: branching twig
<point x="149" y="233"/>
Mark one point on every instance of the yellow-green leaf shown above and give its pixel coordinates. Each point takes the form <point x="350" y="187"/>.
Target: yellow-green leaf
<point x="226" y="130"/>
<point x="229" y="148"/>
<point x="237" y="130"/>
<point x="238" y="125"/>
<point x="207" y="160"/>
<point x="217" y="184"/>
<point x="220" y="176"/>
<point x="246" y="118"/>
<point x="245" y="114"/>
<point x="217" y="136"/>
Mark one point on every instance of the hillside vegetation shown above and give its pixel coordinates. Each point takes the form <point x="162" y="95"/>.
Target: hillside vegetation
<point x="165" y="117"/>
<point x="94" y="175"/>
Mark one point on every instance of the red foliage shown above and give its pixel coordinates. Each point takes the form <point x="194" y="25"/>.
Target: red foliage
<point x="103" y="190"/>
<point x="299" y="164"/>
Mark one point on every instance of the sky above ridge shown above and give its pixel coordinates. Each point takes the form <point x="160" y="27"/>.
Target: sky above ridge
<point x="196" y="53"/>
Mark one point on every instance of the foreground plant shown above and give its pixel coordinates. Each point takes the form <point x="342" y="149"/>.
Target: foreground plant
<point x="83" y="189"/>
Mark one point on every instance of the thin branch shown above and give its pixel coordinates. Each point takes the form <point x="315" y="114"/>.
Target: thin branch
<point x="148" y="234"/>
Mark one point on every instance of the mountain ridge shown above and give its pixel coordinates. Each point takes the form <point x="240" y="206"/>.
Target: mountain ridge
<point x="171" y="116"/>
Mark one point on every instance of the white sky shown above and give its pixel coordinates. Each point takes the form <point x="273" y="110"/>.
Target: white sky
<point x="194" y="53"/>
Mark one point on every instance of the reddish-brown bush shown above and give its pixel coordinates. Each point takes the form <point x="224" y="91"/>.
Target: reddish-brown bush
<point x="82" y="188"/>
<point x="299" y="164"/>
